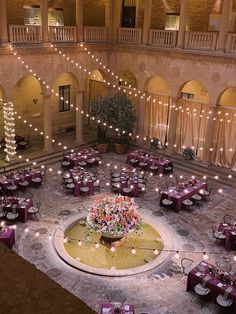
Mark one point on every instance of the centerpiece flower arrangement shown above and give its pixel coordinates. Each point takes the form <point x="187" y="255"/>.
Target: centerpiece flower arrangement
<point x="114" y="216"/>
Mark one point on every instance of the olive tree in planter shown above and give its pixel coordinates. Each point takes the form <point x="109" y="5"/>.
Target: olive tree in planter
<point x="117" y="110"/>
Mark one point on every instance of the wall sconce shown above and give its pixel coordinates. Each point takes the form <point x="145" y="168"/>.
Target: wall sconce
<point x="35" y="101"/>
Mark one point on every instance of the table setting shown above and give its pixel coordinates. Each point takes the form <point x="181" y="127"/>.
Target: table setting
<point x="217" y="280"/>
<point x="183" y="191"/>
<point x="7" y="235"/>
<point x="85" y="157"/>
<point x="229" y="230"/>
<point x="153" y="162"/>
<point x="17" y="204"/>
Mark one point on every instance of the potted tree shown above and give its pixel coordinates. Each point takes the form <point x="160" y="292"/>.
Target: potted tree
<point x="189" y="153"/>
<point x="115" y="112"/>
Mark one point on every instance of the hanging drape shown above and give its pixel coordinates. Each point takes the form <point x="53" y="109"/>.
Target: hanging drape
<point x="156" y="116"/>
<point x="191" y="126"/>
<point x="96" y="89"/>
<point x="224" y="143"/>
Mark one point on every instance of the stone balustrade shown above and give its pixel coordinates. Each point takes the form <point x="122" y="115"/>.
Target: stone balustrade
<point x="130" y="35"/>
<point x="95" y="34"/>
<point x="62" y="34"/>
<point x="231" y="43"/>
<point x="24" y="34"/>
<point x="200" y="40"/>
<point x="162" y="38"/>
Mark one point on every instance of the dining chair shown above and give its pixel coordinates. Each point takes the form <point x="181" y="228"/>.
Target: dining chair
<point x="34" y="210"/>
<point x="218" y="235"/>
<point x="228" y="219"/>
<point x="202" y="291"/>
<point x="224" y="301"/>
<point x="186" y="264"/>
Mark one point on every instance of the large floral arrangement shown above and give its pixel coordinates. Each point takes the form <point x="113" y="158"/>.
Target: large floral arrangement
<point x="114" y="215"/>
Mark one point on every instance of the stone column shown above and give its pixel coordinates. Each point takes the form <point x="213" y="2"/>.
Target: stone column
<point x="117" y="7"/>
<point x="47" y="122"/>
<point x="173" y="115"/>
<point x="44" y="20"/>
<point x="79" y="20"/>
<point x="146" y="21"/>
<point x="207" y="153"/>
<point x="3" y="22"/>
<point x="79" y="116"/>
<point x="182" y="23"/>
<point x="109" y="18"/>
<point x="224" y="24"/>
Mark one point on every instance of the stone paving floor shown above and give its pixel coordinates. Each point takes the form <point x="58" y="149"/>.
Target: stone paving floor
<point x="161" y="290"/>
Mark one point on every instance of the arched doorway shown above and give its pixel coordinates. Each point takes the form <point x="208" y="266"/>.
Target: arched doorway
<point x="63" y="107"/>
<point x="28" y="103"/>
<point x="224" y="142"/>
<point x="95" y="87"/>
<point x="193" y="106"/>
<point x="157" y="106"/>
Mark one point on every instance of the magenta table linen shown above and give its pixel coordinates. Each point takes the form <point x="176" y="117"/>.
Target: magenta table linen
<point x="8" y="237"/>
<point x="141" y="157"/>
<point x="79" y="184"/>
<point x="21" y="209"/>
<point x="76" y="158"/>
<point x="179" y="197"/>
<point x="126" y="309"/>
<point x="230" y="234"/>
<point x="216" y="285"/>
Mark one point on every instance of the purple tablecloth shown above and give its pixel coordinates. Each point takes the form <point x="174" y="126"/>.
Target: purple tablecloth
<point x="216" y="285"/>
<point x="76" y="158"/>
<point x="150" y="160"/>
<point x="21" y="177"/>
<point x="21" y="209"/>
<point x="126" y="309"/>
<point x="8" y="237"/>
<point x="230" y="234"/>
<point x="179" y="197"/>
<point x="80" y="184"/>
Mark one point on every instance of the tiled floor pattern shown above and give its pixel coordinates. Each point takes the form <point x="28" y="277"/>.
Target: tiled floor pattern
<point x="161" y="290"/>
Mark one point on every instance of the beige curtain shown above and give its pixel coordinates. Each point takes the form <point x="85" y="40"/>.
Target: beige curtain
<point x="191" y="126"/>
<point x="156" y="116"/>
<point x="225" y="137"/>
<point x="96" y="89"/>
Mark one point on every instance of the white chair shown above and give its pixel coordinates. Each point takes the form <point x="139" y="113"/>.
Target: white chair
<point x="201" y="291"/>
<point x="224" y="302"/>
<point x="166" y="202"/>
<point x="34" y="210"/>
<point x="84" y="190"/>
<point x="187" y="203"/>
<point x="12" y="216"/>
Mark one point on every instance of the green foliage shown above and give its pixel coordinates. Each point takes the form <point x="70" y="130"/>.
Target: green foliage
<point x="188" y="153"/>
<point x="117" y="110"/>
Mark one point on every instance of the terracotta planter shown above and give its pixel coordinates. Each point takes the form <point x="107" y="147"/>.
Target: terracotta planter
<point x="120" y="148"/>
<point x="102" y="148"/>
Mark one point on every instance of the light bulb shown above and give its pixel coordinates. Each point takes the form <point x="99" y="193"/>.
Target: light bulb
<point x="133" y="251"/>
<point x="97" y="245"/>
<point x="205" y="256"/>
<point x="79" y="243"/>
<point x="113" y="248"/>
<point x="155" y="252"/>
<point x="177" y="255"/>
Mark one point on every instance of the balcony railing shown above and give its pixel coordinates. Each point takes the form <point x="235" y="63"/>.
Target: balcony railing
<point x="20" y="34"/>
<point x="130" y="35"/>
<point x="63" y="34"/>
<point x="95" y="34"/>
<point x="162" y="38"/>
<point x="231" y="43"/>
<point x="200" y="40"/>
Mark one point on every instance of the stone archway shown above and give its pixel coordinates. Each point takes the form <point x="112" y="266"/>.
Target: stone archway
<point x="28" y="103"/>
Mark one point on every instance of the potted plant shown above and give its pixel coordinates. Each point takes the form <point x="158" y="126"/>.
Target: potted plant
<point x="189" y="153"/>
<point x="115" y="112"/>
